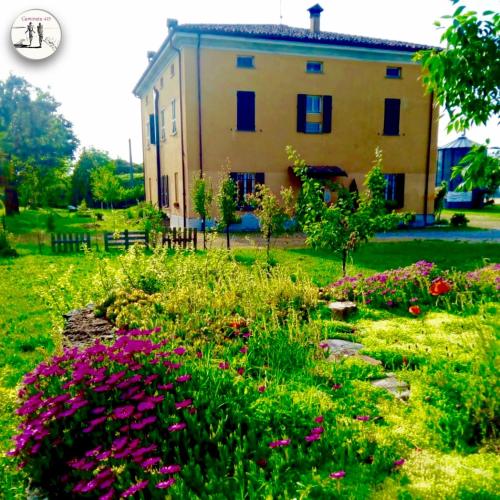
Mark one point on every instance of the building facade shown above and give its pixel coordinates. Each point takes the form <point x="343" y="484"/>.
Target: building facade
<point x="219" y="98"/>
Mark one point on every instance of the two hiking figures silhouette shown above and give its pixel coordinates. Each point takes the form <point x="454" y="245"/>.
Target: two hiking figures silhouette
<point x="31" y="32"/>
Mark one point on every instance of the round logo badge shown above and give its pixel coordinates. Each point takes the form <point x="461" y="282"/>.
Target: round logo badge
<point x="36" y="34"/>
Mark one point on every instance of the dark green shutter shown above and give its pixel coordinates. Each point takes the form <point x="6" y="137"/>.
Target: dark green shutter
<point x="399" y="195"/>
<point x="245" y="113"/>
<point x="152" y="129"/>
<point x="327" y="114"/>
<point x="391" y="116"/>
<point x="301" y="112"/>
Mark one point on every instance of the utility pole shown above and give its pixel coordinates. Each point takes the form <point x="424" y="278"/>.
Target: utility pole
<point x="130" y="162"/>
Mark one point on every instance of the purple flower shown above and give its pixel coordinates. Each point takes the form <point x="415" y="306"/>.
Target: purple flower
<point x="336" y="387"/>
<point x="363" y="418"/>
<point x="224" y="365"/>
<point x="165" y="387"/>
<point x="183" y="378"/>
<point x="279" y="443"/>
<point x="317" y="430"/>
<point x="170" y="469"/>
<point x="323" y="345"/>
<point x="399" y="463"/>
<point x="313" y="437"/>
<point x="179" y="351"/>
<point x="119" y="443"/>
<point x="261" y="388"/>
<point x="319" y="419"/>
<point x="134" y="489"/>
<point x="143" y="423"/>
<point x="123" y="411"/>
<point x="108" y="495"/>
<point x="98" y="410"/>
<point x="184" y="404"/>
<point x="337" y="475"/>
<point x="177" y="427"/>
<point x="244" y="349"/>
<point x="149" y="462"/>
<point x="146" y="405"/>
<point x="165" y="484"/>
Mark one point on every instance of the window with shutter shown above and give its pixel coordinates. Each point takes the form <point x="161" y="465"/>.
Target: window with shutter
<point x="245" y="111"/>
<point x="391" y="116"/>
<point x="152" y="129"/>
<point x="327" y="114"/>
<point x="314" y="114"/>
<point x="301" y="112"/>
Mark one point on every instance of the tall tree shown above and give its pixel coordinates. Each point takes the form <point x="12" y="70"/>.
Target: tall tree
<point x="90" y="160"/>
<point x="37" y="141"/>
<point x="106" y="186"/>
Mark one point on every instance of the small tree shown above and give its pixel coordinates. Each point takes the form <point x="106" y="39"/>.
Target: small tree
<point x="272" y="212"/>
<point x="441" y="192"/>
<point x="352" y="219"/>
<point x="202" y="198"/>
<point x="106" y="186"/>
<point x="227" y="204"/>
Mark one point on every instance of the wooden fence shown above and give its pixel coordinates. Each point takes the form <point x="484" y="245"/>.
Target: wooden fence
<point x="69" y="242"/>
<point x="125" y="239"/>
<point x="181" y="237"/>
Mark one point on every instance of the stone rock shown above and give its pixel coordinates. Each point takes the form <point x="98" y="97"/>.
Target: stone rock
<point x="398" y="388"/>
<point x="82" y="327"/>
<point x="343" y="348"/>
<point x="342" y="309"/>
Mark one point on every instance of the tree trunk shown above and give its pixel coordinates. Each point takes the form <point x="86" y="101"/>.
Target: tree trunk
<point x="227" y="237"/>
<point x="204" y="229"/>
<point x="344" y="262"/>
<point x="11" y="201"/>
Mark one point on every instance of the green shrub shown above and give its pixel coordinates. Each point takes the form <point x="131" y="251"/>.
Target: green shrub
<point x="459" y="220"/>
<point x="6" y="249"/>
<point x="51" y="222"/>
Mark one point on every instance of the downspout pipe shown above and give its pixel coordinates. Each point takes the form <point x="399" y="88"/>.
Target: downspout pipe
<point x="157" y="144"/>
<point x="428" y="159"/>
<point x="200" y="131"/>
<point x="184" y="206"/>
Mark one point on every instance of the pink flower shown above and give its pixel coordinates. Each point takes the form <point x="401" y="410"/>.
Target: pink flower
<point x="363" y="418"/>
<point x="165" y="387"/>
<point x="336" y="387"/>
<point x="323" y="345"/>
<point x="108" y="495"/>
<point x="143" y="423"/>
<point x="337" y="475"/>
<point x="261" y="388"/>
<point x="166" y="484"/>
<point x="146" y="405"/>
<point x="134" y="489"/>
<point x="319" y="419"/>
<point x="183" y="378"/>
<point x="177" y="427"/>
<point x="317" y="430"/>
<point x="241" y="371"/>
<point x="279" y="443"/>
<point x="183" y="404"/>
<point x="179" y="351"/>
<point x="123" y="411"/>
<point x="244" y="349"/>
<point x="313" y="437"/>
<point x="199" y="354"/>
<point x="149" y="462"/>
<point x="224" y="365"/>
<point x="170" y="469"/>
<point x="399" y="463"/>
<point x="119" y="443"/>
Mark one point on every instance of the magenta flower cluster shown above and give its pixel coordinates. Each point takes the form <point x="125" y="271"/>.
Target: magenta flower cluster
<point x="107" y="401"/>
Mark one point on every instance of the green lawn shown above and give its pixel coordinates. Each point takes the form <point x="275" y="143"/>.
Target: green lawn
<point x="487" y="217"/>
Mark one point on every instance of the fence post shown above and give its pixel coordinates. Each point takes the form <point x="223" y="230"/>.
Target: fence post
<point x="105" y="241"/>
<point x="88" y="240"/>
<point x="195" y="239"/>
<point x="126" y="239"/>
<point x="52" y="243"/>
<point x="146" y="238"/>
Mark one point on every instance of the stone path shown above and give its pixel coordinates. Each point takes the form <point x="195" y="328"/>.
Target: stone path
<point x="344" y="348"/>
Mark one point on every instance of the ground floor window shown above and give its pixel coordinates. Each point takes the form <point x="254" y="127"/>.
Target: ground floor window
<point x="395" y="190"/>
<point x="165" y="202"/>
<point x="246" y="182"/>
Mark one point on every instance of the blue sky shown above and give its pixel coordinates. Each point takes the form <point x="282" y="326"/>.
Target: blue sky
<point x="104" y="44"/>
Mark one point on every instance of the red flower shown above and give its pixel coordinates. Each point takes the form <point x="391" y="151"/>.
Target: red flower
<point x="439" y="287"/>
<point x="415" y="310"/>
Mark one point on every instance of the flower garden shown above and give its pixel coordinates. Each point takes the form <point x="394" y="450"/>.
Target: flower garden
<point x="217" y="384"/>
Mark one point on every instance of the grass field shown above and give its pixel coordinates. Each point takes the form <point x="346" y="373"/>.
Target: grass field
<point x="31" y="334"/>
<point x="487" y="217"/>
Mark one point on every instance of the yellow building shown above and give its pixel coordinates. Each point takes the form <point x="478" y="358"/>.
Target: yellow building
<point x="215" y="97"/>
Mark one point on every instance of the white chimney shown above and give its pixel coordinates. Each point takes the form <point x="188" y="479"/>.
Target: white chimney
<point x="315" y="12"/>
